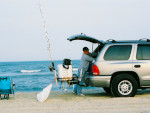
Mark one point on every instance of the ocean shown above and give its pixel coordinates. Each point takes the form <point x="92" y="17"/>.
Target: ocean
<point x="33" y="75"/>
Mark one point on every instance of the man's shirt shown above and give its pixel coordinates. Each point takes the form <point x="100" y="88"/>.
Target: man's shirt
<point x="84" y="63"/>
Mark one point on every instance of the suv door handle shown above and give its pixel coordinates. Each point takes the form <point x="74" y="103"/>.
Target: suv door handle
<point x="137" y="66"/>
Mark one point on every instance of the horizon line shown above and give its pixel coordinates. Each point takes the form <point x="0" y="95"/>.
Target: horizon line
<point x="34" y="60"/>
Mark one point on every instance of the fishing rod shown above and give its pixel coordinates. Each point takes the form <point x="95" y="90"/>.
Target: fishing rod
<point x="43" y="95"/>
<point x="51" y="68"/>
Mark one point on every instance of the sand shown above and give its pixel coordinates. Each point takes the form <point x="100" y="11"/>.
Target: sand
<point x="66" y="102"/>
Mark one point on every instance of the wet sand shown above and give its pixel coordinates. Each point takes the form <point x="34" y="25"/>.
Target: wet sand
<point x="66" y="102"/>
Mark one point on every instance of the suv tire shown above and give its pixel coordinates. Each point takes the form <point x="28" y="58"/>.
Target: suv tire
<point x="124" y="85"/>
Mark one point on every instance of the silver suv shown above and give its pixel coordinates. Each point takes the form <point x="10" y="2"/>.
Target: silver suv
<point x="121" y="67"/>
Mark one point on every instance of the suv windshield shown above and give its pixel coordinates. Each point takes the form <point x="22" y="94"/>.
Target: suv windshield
<point x="118" y="52"/>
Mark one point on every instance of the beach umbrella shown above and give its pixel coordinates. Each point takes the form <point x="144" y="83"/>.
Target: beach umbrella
<point x="43" y="95"/>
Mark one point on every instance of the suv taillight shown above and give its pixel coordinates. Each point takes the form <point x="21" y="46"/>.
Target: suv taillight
<point x="95" y="70"/>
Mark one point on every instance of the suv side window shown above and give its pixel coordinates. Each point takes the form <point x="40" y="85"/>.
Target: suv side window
<point x="118" y="52"/>
<point x="143" y="52"/>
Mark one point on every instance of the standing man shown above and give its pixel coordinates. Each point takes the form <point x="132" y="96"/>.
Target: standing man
<point x="83" y="67"/>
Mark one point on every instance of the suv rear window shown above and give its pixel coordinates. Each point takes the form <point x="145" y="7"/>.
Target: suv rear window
<point x="143" y="52"/>
<point x="118" y="52"/>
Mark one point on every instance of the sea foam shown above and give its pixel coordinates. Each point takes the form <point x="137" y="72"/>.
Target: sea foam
<point x="29" y="71"/>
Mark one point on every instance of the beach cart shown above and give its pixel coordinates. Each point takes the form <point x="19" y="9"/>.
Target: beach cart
<point x="7" y="87"/>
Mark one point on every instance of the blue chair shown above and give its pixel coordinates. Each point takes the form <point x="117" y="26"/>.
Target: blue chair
<point x="6" y="87"/>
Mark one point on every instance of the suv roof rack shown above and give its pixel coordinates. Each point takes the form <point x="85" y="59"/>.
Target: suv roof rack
<point x="122" y="41"/>
<point x="145" y="39"/>
<point x="128" y="41"/>
<point x="111" y="40"/>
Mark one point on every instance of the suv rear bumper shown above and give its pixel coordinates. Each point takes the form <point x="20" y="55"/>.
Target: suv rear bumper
<point x="99" y="81"/>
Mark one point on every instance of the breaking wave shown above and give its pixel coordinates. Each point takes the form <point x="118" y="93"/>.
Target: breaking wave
<point x="30" y="71"/>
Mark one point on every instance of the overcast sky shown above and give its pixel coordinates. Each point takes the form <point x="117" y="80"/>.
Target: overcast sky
<point x="22" y="34"/>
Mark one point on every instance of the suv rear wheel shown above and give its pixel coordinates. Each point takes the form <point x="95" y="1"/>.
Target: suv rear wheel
<point x="124" y="85"/>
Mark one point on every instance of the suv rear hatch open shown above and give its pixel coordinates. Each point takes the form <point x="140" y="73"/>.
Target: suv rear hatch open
<point x="86" y="38"/>
<point x="89" y="39"/>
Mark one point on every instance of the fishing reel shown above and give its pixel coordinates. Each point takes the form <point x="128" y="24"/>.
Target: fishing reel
<point x="51" y="68"/>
